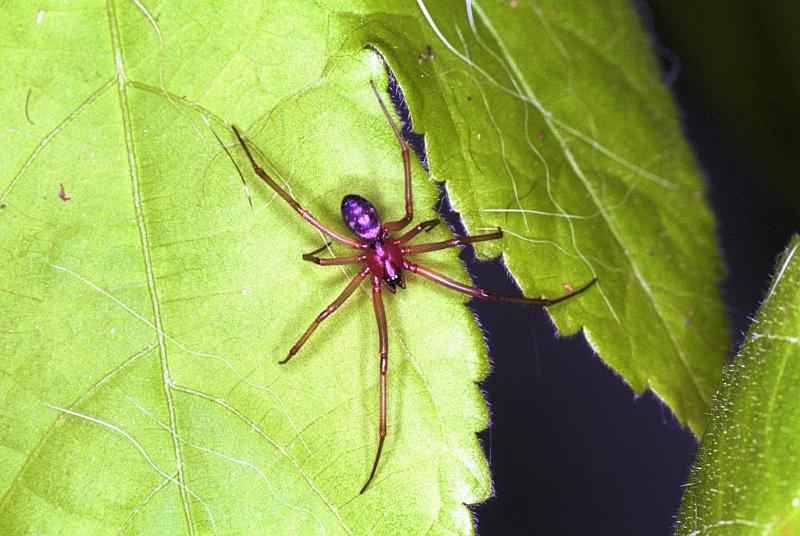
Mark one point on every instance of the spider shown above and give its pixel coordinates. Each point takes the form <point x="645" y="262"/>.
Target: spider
<point x="384" y="261"/>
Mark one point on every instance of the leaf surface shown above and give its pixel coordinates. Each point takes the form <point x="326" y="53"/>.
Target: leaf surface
<point x="553" y="125"/>
<point x="744" y="480"/>
<point x="146" y="305"/>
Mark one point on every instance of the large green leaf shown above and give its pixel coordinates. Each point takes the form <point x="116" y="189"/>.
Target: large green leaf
<point x="143" y="318"/>
<point x="568" y="141"/>
<point x="745" y="479"/>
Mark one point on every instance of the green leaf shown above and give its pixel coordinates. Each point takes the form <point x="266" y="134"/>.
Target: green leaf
<point x="156" y="299"/>
<point x="744" y="480"/>
<point x="568" y="140"/>
<point x="144" y="316"/>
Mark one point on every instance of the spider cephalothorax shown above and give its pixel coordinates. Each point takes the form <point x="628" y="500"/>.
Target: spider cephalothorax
<point x="383" y="259"/>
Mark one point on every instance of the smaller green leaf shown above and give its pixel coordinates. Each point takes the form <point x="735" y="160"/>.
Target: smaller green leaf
<point x="745" y="479"/>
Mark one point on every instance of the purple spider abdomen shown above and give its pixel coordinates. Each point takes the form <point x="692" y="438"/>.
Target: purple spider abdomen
<point x="361" y="217"/>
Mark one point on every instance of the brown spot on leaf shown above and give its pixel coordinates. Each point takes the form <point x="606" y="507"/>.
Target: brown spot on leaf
<point x="427" y="55"/>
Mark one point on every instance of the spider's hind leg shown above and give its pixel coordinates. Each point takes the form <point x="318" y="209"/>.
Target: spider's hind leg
<point x="452" y="284"/>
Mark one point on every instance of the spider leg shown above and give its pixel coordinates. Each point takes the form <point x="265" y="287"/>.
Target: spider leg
<point x="329" y="310"/>
<point x="426" y="226"/>
<point x="230" y="156"/>
<point x="445" y="281"/>
<point x="399" y="224"/>
<point x="310" y="257"/>
<point x="434" y="246"/>
<point x="380" y="315"/>
<point x="319" y="249"/>
<point x="306" y="215"/>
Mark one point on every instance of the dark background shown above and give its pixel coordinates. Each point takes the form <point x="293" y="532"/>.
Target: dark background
<point x="572" y="450"/>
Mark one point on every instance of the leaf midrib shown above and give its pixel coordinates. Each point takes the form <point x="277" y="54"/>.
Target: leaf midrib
<point x="137" y="201"/>
<point x="123" y="83"/>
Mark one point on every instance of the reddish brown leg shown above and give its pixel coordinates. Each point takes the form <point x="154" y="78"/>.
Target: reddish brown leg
<point x="426" y="226"/>
<point x="399" y="224"/>
<point x="329" y="310"/>
<point x="434" y="246"/>
<point x="334" y="261"/>
<point x="233" y="161"/>
<point x="478" y="293"/>
<point x="380" y="315"/>
<point x="311" y="257"/>
<point x="319" y="249"/>
<point x="306" y="215"/>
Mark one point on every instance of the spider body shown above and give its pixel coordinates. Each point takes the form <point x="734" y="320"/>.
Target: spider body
<point x="361" y="217"/>
<point x="383" y="259"/>
<point x="383" y="256"/>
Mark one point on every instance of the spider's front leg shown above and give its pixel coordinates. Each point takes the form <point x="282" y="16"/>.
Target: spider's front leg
<point x="380" y="315"/>
<point x="405" y="220"/>
<point x="426" y="226"/>
<point x="305" y="214"/>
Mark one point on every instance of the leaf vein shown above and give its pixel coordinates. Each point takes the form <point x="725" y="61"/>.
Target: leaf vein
<point x="277" y="446"/>
<point x="137" y="201"/>
<point x="89" y="392"/>
<point x="52" y="134"/>
<point x="555" y="125"/>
